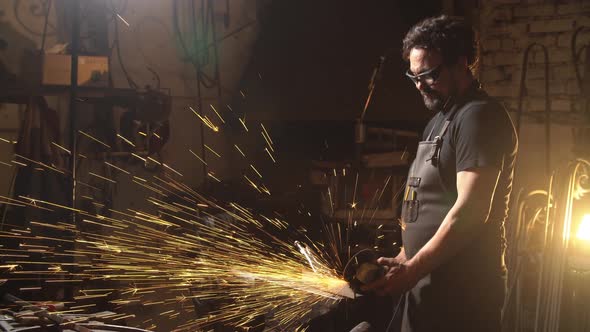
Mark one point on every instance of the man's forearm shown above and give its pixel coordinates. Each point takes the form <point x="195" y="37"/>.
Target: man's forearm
<point x="456" y="231"/>
<point x="470" y="212"/>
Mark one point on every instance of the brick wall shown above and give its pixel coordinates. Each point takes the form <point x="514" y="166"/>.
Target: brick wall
<point x="507" y="27"/>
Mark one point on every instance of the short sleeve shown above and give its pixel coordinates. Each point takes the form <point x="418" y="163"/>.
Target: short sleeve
<point x="481" y="136"/>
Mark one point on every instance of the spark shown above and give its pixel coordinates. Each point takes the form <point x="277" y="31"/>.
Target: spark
<point x="270" y="155"/>
<point x="102" y="177"/>
<point x="265" y="190"/>
<point x="212" y="151"/>
<point x="266" y="132"/>
<point x="205" y="120"/>
<point x="304" y="250"/>
<point x="61" y="147"/>
<point x="9" y="267"/>
<point x="211" y="175"/>
<point x="331" y="201"/>
<point x="138" y="157"/>
<point x="197" y="156"/>
<point x="356" y="181"/>
<point x="172" y="169"/>
<point x="122" y="19"/>
<point x="84" y="306"/>
<point x="243" y="122"/>
<point x="39" y="163"/>
<point x="86" y="185"/>
<point x="125" y="140"/>
<point x="34" y="200"/>
<point x="19" y="163"/>
<point x="94" y="139"/>
<point x="267" y="142"/>
<point x="218" y="115"/>
<point x="140" y="179"/>
<point x="117" y="168"/>
<point x="240" y="150"/>
<point x="255" y="170"/>
<point x="183" y="251"/>
<point x="154" y="160"/>
<point x="252" y="183"/>
<point x="380" y="195"/>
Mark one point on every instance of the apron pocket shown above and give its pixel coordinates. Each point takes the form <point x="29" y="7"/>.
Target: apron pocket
<point x="410" y="210"/>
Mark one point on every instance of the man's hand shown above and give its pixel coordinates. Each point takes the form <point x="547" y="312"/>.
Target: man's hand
<point x="399" y="278"/>
<point x="393" y="261"/>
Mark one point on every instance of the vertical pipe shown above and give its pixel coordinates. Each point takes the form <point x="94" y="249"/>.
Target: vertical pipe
<point x="197" y="66"/>
<point x="215" y="51"/>
<point x="75" y="40"/>
<point x="547" y="116"/>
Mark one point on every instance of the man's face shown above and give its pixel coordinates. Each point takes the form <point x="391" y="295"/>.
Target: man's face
<point x="436" y="93"/>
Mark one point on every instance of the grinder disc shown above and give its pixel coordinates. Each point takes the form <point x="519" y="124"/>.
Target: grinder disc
<point x="362" y="269"/>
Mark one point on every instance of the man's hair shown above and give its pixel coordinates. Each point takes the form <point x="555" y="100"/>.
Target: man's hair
<point x="452" y="37"/>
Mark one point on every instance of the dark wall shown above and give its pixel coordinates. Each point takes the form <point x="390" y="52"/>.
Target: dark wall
<point x="308" y="77"/>
<point x="313" y="61"/>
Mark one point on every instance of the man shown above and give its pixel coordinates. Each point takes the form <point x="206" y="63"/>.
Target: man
<point x="456" y="199"/>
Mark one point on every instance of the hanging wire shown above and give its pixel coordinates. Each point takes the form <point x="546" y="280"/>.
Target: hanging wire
<point x="45" y="25"/>
<point x="117" y="47"/>
<point x="45" y="6"/>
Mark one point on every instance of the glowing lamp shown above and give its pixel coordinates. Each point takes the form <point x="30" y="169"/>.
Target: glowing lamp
<point x="584" y="229"/>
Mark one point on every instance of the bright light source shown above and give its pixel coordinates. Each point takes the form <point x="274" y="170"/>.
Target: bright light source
<point x="584" y="229"/>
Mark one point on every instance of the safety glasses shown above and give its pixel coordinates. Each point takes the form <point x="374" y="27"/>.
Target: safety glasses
<point x="427" y="77"/>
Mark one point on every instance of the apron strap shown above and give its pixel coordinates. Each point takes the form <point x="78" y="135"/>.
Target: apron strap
<point x="438" y="139"/>
<point x="454" y="107"/>
<point x="445" y="126"/>
<point x="452" y="112"/>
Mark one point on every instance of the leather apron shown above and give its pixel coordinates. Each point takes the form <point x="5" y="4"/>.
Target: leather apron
<point x="440" y="300"/>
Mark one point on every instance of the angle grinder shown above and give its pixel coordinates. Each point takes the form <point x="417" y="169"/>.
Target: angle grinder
<point x="362" y="269"/>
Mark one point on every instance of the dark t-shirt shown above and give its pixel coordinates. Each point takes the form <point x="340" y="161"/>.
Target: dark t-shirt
<point x="480" y="135"/>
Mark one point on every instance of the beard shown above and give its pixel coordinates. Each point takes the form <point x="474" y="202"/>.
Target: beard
<point x="433" y="100"/>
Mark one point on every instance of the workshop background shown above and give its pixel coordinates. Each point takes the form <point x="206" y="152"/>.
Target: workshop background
<point x="307" y="100"/>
